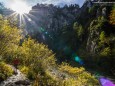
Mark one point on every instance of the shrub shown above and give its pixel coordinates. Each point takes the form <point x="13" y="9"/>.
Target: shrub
<point x="105" y="51"/>
<point x="71" y="70"/>
<point x="80" y="76"/>
<point x="9" y="38"/>
<point x="5" y="70"/>
<point x="31" y="74"/>
<point x="28" y="71"/>
<point x="102" y="36"/>
<point x="24" y="70"/>
<point x="112" y="16"/>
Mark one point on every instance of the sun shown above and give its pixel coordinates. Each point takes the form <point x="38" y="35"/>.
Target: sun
<point x="20" y="7"/>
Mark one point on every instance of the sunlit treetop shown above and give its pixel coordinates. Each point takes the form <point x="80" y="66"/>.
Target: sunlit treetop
<point x="112" y="16"/>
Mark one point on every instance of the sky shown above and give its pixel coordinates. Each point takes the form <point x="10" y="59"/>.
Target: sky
<point x="55" y="2"/>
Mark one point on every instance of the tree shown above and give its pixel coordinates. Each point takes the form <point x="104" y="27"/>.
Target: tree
<point x="9" y="37"/>
<point x="112" y="16"/>
<point x="1" y="8"/>
<point x="102" y="36"/>
<point x="106" y="52"/>
<point x="78" y="29"/>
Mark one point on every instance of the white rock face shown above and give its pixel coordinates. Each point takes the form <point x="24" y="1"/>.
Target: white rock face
<point x="16" y="80"/>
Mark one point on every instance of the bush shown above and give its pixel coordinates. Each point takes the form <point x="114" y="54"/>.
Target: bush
<point x="28" y="71"/>
<point x="24" y="70"/>
<point x="105" y="51"/>
<point x="31" y="74"/>
<point x="71" y="70"/>
<point x="112" y="16"/>
<point x="9" y="38"/>
<point x="80" y="76"/>
<point x="5" y="71"/>
<point x="102" y="36"/>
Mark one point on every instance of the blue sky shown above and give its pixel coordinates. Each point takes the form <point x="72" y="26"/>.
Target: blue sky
<point x="55" y="2"/>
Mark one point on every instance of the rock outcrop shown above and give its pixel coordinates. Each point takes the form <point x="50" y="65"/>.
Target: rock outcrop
<point x="18" y="79"/>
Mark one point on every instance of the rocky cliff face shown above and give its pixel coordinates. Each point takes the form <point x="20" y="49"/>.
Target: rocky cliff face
<point x="94" y="16"/>
<point x="99" y="24"/>
<point x="47" y="21"/>
<point x="52" y="18"/>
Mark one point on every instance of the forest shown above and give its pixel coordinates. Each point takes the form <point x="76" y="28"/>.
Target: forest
<point x="58" y="46"/>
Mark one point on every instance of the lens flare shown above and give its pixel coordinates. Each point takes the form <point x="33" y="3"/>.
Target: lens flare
<point x="106" y="82"/>
<point x="77" y="59"/>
